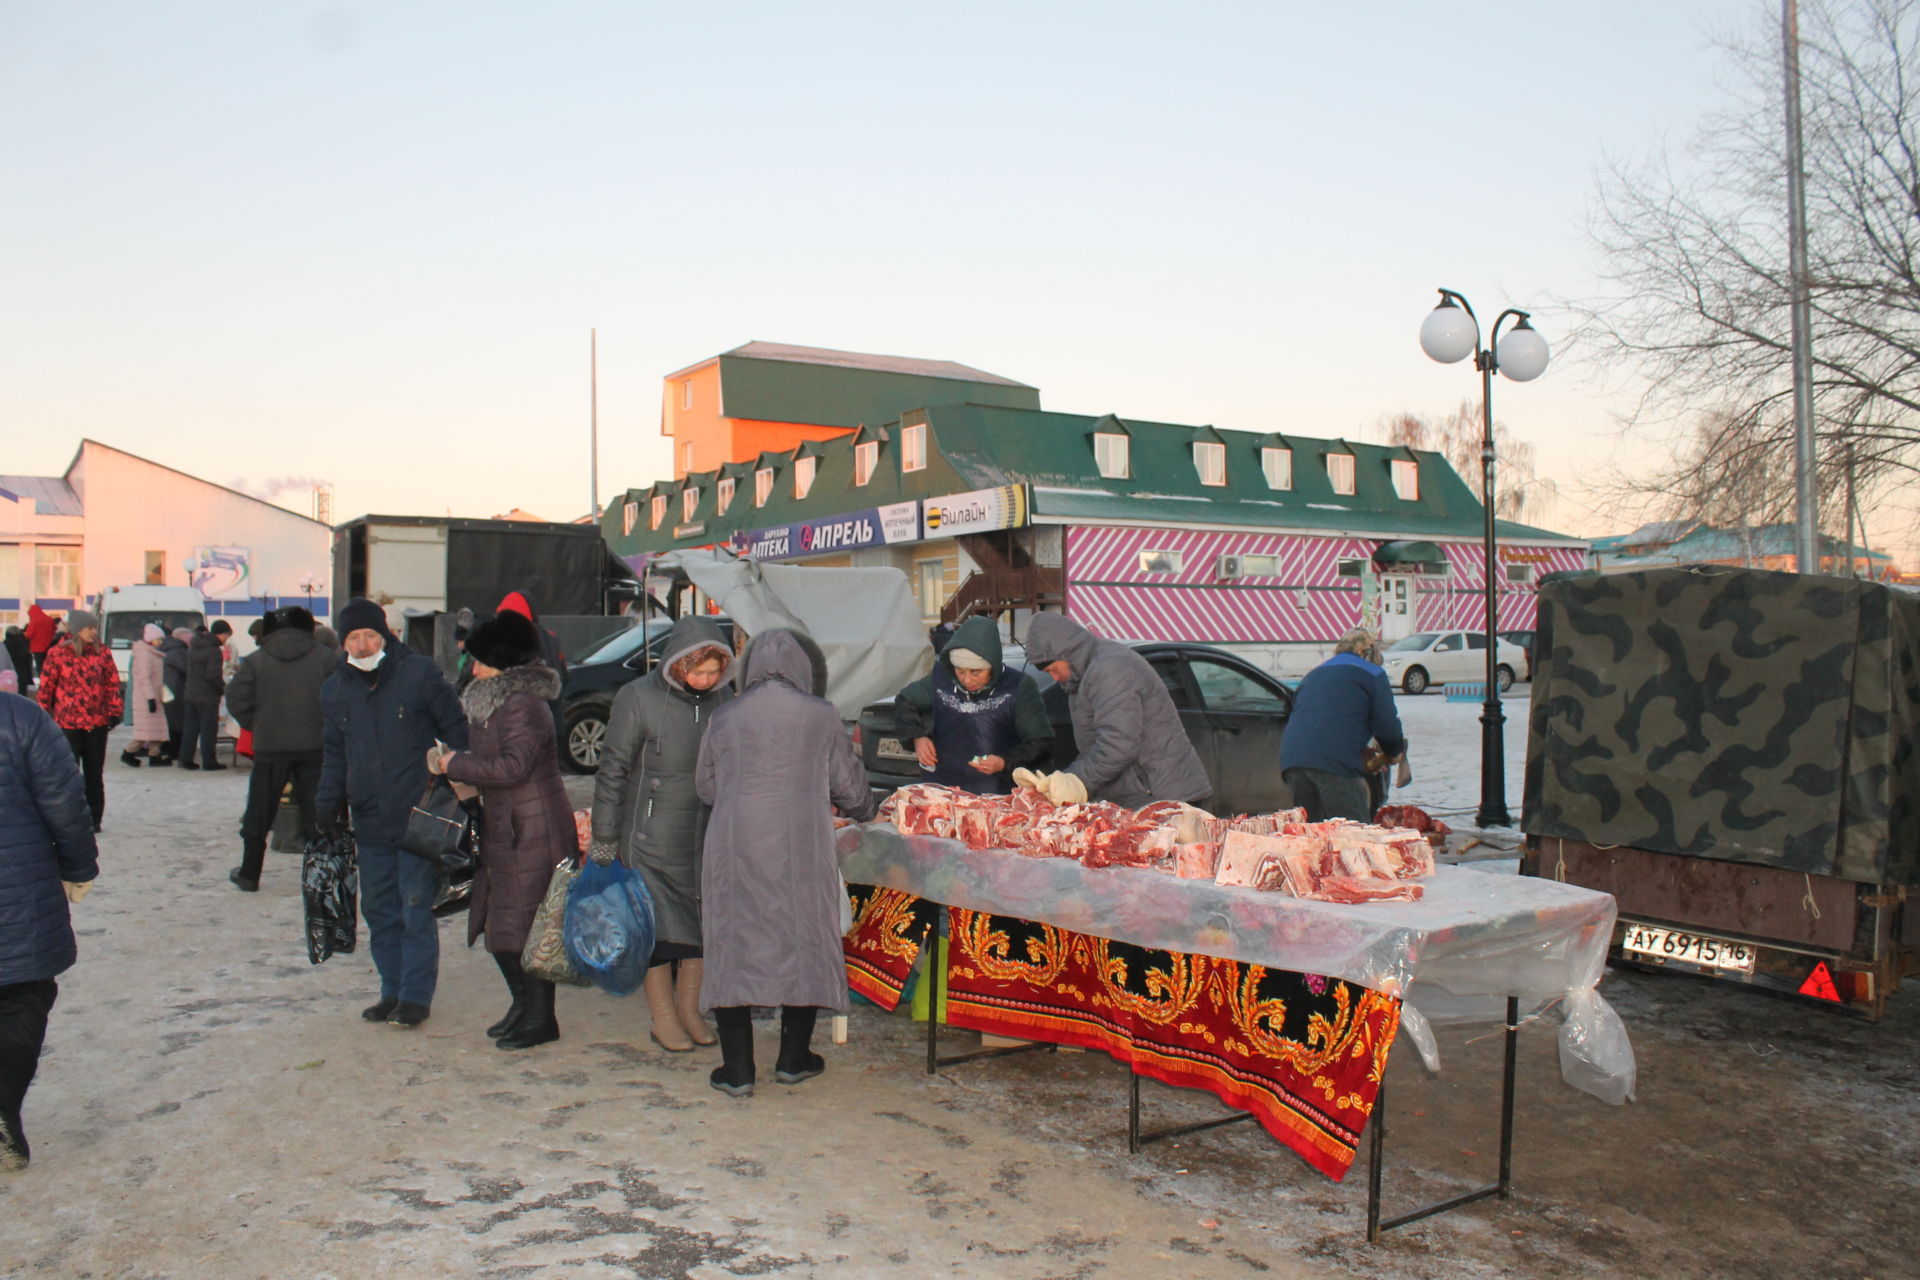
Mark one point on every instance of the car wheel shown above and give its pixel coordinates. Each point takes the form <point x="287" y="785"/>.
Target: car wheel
<point x="586" y="734"/>
<point x="1503" y="676"/>
<point x="1415" y="680"/>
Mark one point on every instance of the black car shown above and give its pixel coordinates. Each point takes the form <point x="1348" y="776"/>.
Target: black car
<point x="1233" y="711"/>
<point x="586" y="700"/>
<point x="1525" y="640"/>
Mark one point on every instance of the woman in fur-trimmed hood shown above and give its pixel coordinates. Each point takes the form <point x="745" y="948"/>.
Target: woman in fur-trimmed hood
<point x="514" y="760"/>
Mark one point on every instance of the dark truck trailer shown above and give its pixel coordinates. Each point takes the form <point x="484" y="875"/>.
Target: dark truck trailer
<point x="1734" y="755"/>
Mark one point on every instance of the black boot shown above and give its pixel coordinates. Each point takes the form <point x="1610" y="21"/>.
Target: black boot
<point x="537" y="1024"/>
<point x="128" y="758"/>
<point x="734" y="1075"/>
<point x="517" y="987"/>
<point x="797" y="1060"/>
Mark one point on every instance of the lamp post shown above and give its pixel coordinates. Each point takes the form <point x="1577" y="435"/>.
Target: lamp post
<point x="1451" y="333"/>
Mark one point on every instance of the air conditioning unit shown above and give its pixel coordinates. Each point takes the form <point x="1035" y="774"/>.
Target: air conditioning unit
<point x="1233" y="566"/>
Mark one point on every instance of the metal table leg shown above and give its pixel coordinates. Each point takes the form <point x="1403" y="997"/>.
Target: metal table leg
<point x="1137" y="1140"/>
<point x="936" y="979"/>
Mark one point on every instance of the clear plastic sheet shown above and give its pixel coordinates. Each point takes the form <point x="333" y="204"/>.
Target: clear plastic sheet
<point x="1472" y="940"/>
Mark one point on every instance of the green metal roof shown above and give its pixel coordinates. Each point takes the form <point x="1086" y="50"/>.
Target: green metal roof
<point x="779" y="390"/>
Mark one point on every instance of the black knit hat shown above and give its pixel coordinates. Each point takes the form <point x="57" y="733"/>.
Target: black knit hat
<point x="505" y="640"/>
<point x="362" y="614"/>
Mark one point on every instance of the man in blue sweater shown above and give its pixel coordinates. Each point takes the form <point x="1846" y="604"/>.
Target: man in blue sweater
<point x="1341" y="705"/>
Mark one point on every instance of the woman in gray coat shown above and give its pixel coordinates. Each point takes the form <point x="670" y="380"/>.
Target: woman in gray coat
<point x="646" y="813"/>
<point x="774" y="758"/>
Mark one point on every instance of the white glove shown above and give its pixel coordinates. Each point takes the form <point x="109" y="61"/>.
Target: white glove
<point x="75" y="892"/>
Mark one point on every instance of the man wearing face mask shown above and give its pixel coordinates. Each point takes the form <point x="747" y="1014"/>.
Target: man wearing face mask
<point x="383" y="706"/>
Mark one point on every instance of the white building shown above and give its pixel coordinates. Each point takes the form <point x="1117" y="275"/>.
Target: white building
<point x="114" y="519"/>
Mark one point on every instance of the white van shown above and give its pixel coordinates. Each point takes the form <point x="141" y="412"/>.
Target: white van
<point x="125" y="612"/>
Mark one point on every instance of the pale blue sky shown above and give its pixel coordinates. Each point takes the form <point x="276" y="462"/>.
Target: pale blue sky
<point x="365" y="242"/>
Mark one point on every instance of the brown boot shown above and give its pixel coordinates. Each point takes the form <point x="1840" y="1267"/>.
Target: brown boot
<point x="686" y="1001"/>
<point x="667" y="1031"/>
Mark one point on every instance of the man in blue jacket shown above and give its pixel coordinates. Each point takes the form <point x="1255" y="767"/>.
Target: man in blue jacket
<point x="382" y="708"/>
<point x="1341" y="705"/>
<point x="47" y="859"/>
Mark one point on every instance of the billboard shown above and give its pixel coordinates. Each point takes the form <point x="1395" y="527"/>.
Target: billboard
<point x="978" y="511"/>
<point x="222" y="573"/>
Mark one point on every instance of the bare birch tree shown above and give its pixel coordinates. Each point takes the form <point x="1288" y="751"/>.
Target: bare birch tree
<point x="1457" y="437"/>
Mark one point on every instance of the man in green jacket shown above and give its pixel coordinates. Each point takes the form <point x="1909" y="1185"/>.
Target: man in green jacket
<point x="974" y="720"/>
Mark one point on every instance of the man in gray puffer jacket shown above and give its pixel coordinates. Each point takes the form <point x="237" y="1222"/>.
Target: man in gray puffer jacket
<point x="1132" y="747"/>
<point x="276" y="694"/>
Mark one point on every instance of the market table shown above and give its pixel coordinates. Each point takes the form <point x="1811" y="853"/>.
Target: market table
<point x="1282" y="1007"/>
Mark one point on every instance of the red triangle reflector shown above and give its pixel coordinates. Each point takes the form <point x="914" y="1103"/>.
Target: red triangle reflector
<point x="1819" y="984"/>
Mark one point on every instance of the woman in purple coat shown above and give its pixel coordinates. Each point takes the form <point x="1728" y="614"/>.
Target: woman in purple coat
<point x="513" y="758"/>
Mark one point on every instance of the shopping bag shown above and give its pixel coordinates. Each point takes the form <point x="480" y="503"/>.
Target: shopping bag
<point x="545" y="955"/>
<point x="609" y="927"/>
<point x="440" y="830"/>
<point x="243" y="745"/>
<point x="330" y="888"/>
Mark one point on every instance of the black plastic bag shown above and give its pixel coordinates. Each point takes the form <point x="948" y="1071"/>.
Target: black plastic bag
<point x="441" y="830"/>
<point x="330" y="884"/>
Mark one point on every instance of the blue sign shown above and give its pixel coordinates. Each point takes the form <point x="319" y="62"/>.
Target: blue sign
<point x="874" y="527"/>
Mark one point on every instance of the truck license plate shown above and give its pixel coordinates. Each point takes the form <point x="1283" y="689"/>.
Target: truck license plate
<point x="1694" y="948"/>
<point x="894" y="749"/>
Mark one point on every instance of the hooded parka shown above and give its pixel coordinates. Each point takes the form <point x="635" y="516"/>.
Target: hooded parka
<point x="46" y="836"/>
<point x="276" y="692"/>
<point x="1133" y="748"/>
<point x="771" y="762"/>
<point x="644" y="801"/>
<point x="1005" y="718"/>
<point x="528" y="829"/>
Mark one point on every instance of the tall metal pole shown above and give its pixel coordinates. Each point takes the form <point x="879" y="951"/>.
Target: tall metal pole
<point x="1493" y="755"/>
<point x="593" y="420"/>
<point x="1805" y="509"/>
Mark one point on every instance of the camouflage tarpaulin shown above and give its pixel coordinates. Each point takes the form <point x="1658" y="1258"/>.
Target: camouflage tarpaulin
<point x="1730" y="713"/>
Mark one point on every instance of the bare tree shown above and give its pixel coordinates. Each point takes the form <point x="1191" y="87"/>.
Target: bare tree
<point x="1694" y="259"/>
<point x="1457" y="437"/>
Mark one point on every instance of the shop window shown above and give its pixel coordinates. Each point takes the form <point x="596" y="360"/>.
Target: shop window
<point x="1340" y="472"/>
<point x="1350" y="568"/>
<point x="1210" y="461"/>
<point x="913" y="447"/>
<point x="933" y="587"/>
<point x="1277" y="466"/>
<point x="1160" y="562"/>
<point x="1519" y="573"/>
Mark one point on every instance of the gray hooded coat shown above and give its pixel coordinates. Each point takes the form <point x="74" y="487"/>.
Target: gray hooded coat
<point x="644" y="803"/>
<point x="769" y="765"/>
<point x="1133" y="748"/>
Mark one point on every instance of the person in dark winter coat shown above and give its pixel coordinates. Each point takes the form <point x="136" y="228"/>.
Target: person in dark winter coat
<point x="206" y="682"/>
<point x="514" y="760"/>
<point x="276" y="695"/>
<point x="551" y="651"/>
<point x="1133" y="749"/>
<point x="770" y="884"/>
<point x="647" y="813"/>
<point x="974" y="720"/>
<point x="173" y="674"/>
<point x="1340" y="705"/>
<point x="21" y="653"/>
<point x="381" y="709"/>
<point x="47" y="859"/>
<point x="80" y="689"/>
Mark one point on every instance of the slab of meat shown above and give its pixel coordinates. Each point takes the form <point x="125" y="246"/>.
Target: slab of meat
<point x="1412" y="817"/>
<point x="1251" y="860"/>
<point x="1350" y="889"/>
<point x="1196" y="860"/>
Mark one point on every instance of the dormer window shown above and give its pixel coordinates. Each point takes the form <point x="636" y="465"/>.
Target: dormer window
<point x="1110" y="455"/>
<point x="866" y="457"/>
<point x="629" y="517"/>
<point x="1406" y="480"/>
<point x="656" y="511"/>
<point x="803" y="469"/>
<point x="1210" y="461"/>
<point x="723" y="495"/>
<point x="689" y="501"/>
<point x="762" y="486"/>
<point x="1340" y="473"/>
<point x="1277" y="466"/>
<point x="913" y="447"/>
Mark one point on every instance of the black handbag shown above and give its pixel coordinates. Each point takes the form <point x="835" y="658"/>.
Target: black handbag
<point x="441" y="830"/>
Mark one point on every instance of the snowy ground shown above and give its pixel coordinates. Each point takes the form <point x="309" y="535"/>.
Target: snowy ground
<point x="211" y="1105"/>
<point x="1443" y="746"/>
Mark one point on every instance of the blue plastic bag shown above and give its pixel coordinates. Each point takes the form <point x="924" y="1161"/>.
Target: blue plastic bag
<point x="609" y="927"/>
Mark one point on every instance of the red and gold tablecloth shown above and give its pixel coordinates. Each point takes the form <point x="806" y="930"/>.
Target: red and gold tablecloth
<point x="1303" y="1053"/>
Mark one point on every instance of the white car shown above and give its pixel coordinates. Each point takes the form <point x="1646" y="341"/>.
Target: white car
<point x="1428" y="658"/>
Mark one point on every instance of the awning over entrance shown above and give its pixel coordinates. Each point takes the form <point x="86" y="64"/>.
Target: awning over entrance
<point x="1409" y="554"/>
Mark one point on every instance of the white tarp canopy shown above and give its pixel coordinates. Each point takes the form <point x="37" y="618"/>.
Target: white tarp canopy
<point x="865" y="620"/>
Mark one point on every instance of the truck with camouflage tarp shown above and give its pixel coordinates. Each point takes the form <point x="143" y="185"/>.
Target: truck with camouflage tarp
<point x="1734" y="755"/>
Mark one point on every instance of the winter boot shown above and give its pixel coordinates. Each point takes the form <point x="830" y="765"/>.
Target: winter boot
<point x="537" y="1025"/>
<point x="686" y="1000"/>
<point x="381" y="1009"/>
<point x="14" y="1152"/>
<point x="516" y="987"/>
<point x="734" y="1075"/>
<point x="667" y="1031"/>
<point x="129" y="758"/>
<point x="797" y="1060"/>
<point x="160" y="762"/>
